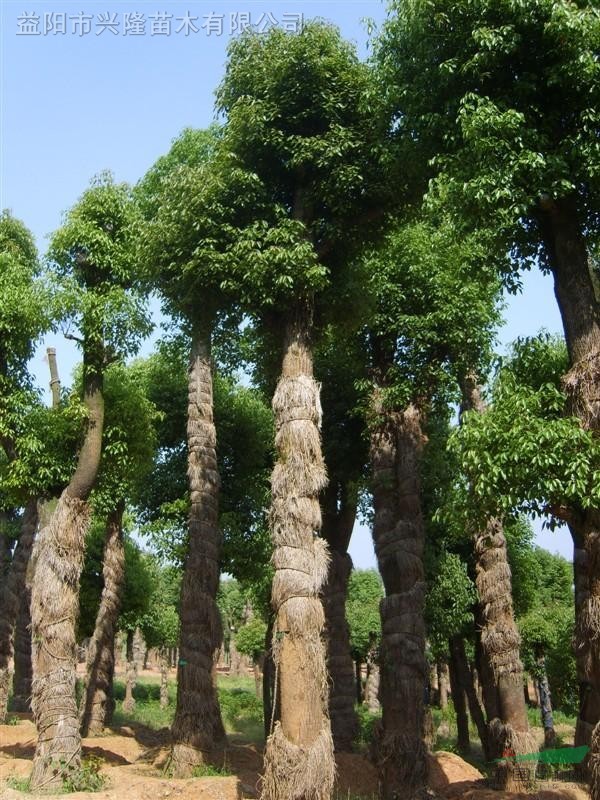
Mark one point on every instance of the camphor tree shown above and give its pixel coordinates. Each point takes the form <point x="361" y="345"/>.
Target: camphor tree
<point x="25" y="313"/>
<point x="128" y="448"/>
<point x="501" y="667"/>
<point x="505" y="97"/>
<point x="175" y="195"/>
<point x="92" y="257"/>
<point x="538" y="461"/>
<point x="301" y="119"/>
<point x="418" y="341"/>
<point x="191" y="201"/>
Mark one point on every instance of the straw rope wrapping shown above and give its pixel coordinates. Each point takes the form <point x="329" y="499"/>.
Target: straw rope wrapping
<point x="299" y="762"/>
<point x="58" y="555"/>
<point x="198" y="733"/>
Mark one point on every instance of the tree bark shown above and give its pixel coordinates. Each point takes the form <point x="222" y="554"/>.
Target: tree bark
<point x="398" y="531"/>
<point x="100" y="667"/>
<point x="235" y="658"/>
<point x="339" y="505"/>
<point x="500" y="640"/>
<point x="443" y="680"/>
<point x="460" y="707"/>
<point x="465" y="678"/>
<point x="358" y="681"/>
<point x="545" y="703"/>
<point x="372" y="688"/>
<point x="344" y="719"/>
<point x="13" y="589"/>
<point x="21" y="700"/>
<point x="164" y="677"/>
<point x="500" y="643"/>
<point x="576" y="289"/>
<point x="299" y="759"/>
<point x="59" y="555"/>
<point x="130" y="674"/>
<point x="589" y="690"/>
<point x="270" y="702"/>
<point x="197" y="732"/>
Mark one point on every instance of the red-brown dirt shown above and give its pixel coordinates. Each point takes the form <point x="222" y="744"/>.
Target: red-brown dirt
<point x="133" y="760"/>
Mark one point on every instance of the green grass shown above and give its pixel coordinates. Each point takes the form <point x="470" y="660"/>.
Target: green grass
<point x="210" y="771"/>
<point x="18" y="784"/>
<point x="85" y="778"/>
<point x="560" y="718"/>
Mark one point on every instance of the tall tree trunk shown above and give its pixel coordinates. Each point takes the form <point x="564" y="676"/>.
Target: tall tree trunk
<point x="344" y="719"/>
<point x="98" y="697"/>
<point x="500" y="643"/>
<point x="163" y="657"/>
<point x="256" y="669"/>
<point x="269" y="712"/>
<point x="59" y="553"/>
<point x="589" y="694"/>
<point x="434" y="685"/>
<point x="576" y="289"/>
<point x="500" y="640"/>
<point x="235" y="658"/>
<point x="545" y="702"/>
<point x="489" y="689"/>
<point x="339" y="505"/>
<point x="198" y="732"/>
<point x="465" y="678"/>
<point x="358" y="680"/>
<point x="21" y="700"/>
<point x="299" y="753"/>
<point x="443" y="680"/>
<point x="13" y="589"/>
<point x="130" y="674"/>
<point x="460" y="707"/>
<point x="398" y="531"/>
<point x="372" y="688"/>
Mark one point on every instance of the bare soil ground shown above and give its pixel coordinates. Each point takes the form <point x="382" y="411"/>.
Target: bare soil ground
<point x="134" y="757"/>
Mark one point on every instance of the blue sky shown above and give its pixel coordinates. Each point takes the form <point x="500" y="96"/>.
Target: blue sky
<point x="72" y="105"/>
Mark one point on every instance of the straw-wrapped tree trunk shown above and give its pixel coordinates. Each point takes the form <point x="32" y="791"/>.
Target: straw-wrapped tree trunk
<point x="398" y="530"/>
<point x="21" y="700"/>
<point x="198" y="732"/>
<point x="338" y="520"/>
<point x="299" y="755"/>
<point x="500" y="640"/>
<point x="501" y="667"/>
<point x="130" y="673"/>
<point x="163" y="658"/>
<point x="96" y="708"/>
<point x="59" y="553"/>
<point x="12" y="590"/>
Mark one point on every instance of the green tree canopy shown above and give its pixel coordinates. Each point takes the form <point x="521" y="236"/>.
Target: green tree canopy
<point x="505" y="97"/>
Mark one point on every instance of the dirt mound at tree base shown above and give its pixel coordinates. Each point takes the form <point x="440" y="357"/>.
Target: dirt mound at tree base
<point x="448" y="769"/>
